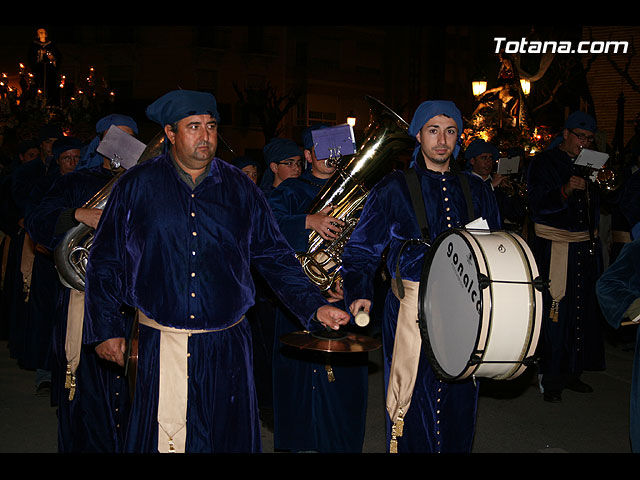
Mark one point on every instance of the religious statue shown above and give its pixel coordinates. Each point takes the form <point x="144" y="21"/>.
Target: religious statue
<point x="44" y="59"/>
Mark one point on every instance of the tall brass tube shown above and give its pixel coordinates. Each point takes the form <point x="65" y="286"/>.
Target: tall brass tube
<point x="385" y="137"/>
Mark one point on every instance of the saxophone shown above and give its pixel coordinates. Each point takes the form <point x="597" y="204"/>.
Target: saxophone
<point x="386" y="135"/>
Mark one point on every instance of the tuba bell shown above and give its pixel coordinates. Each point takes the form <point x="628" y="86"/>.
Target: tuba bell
<point x="72" y="253"/>
<point x="386" y="135"/>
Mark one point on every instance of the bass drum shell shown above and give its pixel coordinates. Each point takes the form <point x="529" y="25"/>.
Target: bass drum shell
<point x="479" y="310"/>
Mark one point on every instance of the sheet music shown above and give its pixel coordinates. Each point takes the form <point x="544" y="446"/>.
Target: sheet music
<point x="120" y="146"/>
<point x="591" y="158"/>
<point x="478" y="224"/>
<point x="507" y="166"/>
<point x="334" y="142"/>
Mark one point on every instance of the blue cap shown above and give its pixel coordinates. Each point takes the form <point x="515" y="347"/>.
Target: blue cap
<point x="279" y="149"/>
<point x="581" y="120"/>
<point x="180" y="104"/>
<point x="478" y="147"/>
<point x="432" y="108"/>
<point x="118" y="120"/>
<point x="63" y="144"/>
<point x="244" y="161"/>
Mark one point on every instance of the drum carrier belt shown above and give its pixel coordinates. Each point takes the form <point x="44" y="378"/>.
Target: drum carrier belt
<point x="415" y="191"/>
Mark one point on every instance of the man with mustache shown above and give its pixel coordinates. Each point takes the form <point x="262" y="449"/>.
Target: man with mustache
<point x="176" y="242"/>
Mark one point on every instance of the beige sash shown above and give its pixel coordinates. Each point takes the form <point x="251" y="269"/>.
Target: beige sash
<point x="173" y="387"/>
<point x="26" y="264"/>
<point x="560" y="240"/>
<point x="404" y="362"/>
<point x="73" y="338"/>
<point x="620" y="236"/>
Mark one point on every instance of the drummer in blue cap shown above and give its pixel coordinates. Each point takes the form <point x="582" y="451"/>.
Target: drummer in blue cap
<point x="424" y="413"/>
<point x="565" y="210"/>
<point x="177" y="242"/>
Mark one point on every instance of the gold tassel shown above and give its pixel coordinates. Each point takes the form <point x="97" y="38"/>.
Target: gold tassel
<point x="396" y="431"/>
<point x="172" y="447"/>
<point x="553" y="314"/>
<point x="70" y="382"/>
<point x="330" y="374"/>
<point x="26" y="289"/>
<point x="67" y="381"/>
<point x="72" y="388"/>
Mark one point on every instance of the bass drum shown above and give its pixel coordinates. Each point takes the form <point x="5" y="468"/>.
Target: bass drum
<point x="480" y="305"/>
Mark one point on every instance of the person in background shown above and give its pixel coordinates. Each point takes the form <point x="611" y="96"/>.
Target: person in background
<point x="565" y="211"/>
<point x="284" y="160"/>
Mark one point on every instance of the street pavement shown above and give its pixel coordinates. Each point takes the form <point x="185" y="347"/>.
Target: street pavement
<point x="512" y="417"/>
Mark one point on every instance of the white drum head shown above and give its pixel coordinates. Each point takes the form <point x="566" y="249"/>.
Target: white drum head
<point x="477" y="305"/>
<point x="452" y="293"/>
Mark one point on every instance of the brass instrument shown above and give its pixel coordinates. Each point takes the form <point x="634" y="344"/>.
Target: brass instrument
<point x="608" y="179"/>
<point x="72" y="252"/>
<point x="386" y="135"/>
<point x="513" y="188"/>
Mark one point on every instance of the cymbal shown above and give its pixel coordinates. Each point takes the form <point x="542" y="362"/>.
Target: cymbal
<point x="331" y="341"/>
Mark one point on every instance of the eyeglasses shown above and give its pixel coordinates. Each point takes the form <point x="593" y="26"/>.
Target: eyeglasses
<point x="291" y="163"/>
<point x="70" y="158"/>
<point x="582" y="137"/>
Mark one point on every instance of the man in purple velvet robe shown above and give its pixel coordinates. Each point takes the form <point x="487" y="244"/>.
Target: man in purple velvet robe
<point x="319" y="398"/>
<point x="176" y="242"/>
<point x="90" y="393"/>
<point x="440" y="415"/>
<point x="565" y="211"/>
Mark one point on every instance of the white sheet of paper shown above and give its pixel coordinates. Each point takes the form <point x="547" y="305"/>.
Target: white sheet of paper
<point x="119" y="145"/>
<point x="507" y="166"/>
<point x="478" y="224"/>
<point x="591" y="158"/>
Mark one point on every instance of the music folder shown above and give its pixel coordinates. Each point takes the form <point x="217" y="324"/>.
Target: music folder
<point x="507" y="166"/>
<point x="591" y="158"/>
<point x="334" y="142"/>
<point x="120" y="147"/>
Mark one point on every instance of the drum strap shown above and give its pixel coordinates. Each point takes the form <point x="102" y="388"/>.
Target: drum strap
<point x="404" y="363"/>
<point x="413" y="182"/>
<point x="415" y="191"/>
<point x="466" y="191"/>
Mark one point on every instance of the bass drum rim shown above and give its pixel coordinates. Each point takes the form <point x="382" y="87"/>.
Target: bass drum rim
<point x="484" y="342"/>
<point x="422" y="321"/>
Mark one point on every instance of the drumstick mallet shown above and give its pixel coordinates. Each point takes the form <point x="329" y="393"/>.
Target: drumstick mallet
<point x="362" y="318"/>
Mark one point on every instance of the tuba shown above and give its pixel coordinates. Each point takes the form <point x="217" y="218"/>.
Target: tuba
<point x="386" y="135"/>
<point x="72" y="252"/>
